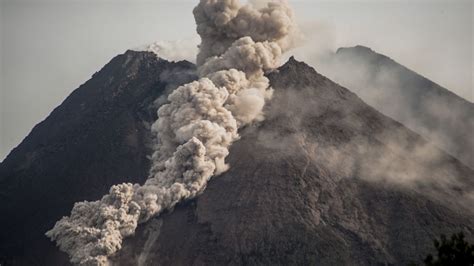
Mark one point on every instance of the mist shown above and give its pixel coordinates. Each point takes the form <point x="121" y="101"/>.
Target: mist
<point x="423" y="106"/>
<point x="413" y="33"/>
<point x="387" y="154"/>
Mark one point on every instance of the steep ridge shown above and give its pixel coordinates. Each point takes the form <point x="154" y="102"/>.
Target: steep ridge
<point x="420" y="104"/>
<point x="99" y="136"/>
<point x="324" y="180"/>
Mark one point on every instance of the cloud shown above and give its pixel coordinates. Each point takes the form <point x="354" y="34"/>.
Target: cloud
<point x="179" y="50"/>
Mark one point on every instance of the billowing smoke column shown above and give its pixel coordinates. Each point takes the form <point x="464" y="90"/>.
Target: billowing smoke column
<point x="194" y="130"/>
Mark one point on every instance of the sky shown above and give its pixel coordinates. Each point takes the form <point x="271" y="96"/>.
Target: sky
<point x="48" y="48"/>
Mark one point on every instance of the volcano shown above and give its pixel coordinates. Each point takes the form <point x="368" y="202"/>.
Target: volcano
<point x="325" y="179"/>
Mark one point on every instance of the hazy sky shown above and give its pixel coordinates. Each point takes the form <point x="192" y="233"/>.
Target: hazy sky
<point x="49" y="48"/>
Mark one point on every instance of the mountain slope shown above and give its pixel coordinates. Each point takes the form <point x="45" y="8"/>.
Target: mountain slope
<point x="420" y="104"/>
<point x="97" y="137"/>
<point x="325" y="179"/>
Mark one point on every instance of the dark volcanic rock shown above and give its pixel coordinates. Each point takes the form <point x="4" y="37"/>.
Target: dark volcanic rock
<point x="420" y="104"/>
<point x="325" y="179"/>
<point x="99" y="136"/>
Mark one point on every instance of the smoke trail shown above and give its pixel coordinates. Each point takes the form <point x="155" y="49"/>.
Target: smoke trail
<point x="194" y="130"/>
<point x="177" y="50"/>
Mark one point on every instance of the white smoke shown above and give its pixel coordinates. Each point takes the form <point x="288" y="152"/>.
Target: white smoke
<point x="194" y="130"/>
<point x="185" y="49"/>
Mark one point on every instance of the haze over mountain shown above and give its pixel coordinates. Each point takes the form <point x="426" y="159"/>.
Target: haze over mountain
<point x="300" y="170"/>
<point x="324" y="179"/>
<point x="422" y="105"/>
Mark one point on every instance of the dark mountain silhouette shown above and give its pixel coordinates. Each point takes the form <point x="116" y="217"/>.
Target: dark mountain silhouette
<point x="325" y="179"/>
<point x="420" y="104"/>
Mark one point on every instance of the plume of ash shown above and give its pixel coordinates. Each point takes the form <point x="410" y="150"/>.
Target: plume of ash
<point x="194" y="130"/>
<point x="174" y="50"/>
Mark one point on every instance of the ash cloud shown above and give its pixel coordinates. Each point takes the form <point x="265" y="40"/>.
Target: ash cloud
<point x="194" y="130"/>
<point x="178" y="50"/>
<point x="349" y="145"/>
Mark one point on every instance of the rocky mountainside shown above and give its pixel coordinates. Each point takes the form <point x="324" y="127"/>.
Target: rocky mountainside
<point x="422" y="105"/>
<point x="325" y="179"/>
